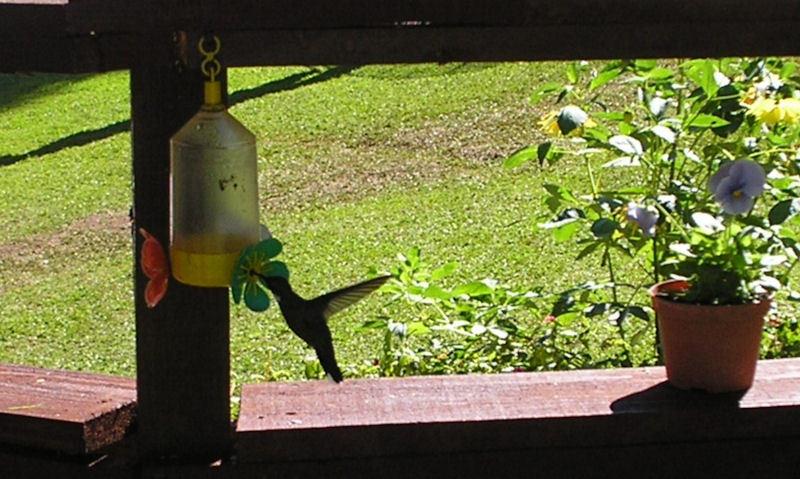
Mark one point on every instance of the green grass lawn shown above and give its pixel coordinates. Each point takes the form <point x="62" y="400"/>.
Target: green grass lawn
<point x="356" y="165"/>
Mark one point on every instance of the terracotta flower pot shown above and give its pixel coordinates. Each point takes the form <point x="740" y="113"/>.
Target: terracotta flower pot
<point x="714" y="348"/>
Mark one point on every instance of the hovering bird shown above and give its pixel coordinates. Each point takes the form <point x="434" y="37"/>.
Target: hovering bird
<point x="308" y="318"/>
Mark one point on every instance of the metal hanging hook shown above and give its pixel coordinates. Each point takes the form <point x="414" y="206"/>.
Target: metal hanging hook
<point x="210" y="65"/>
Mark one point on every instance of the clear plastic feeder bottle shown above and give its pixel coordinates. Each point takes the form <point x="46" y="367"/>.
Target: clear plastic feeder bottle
<point x="214" y="194"/>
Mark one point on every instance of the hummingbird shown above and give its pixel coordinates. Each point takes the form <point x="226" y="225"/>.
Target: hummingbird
<point x="308" y="318"/>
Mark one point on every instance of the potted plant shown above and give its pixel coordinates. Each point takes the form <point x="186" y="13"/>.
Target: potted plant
<point x="711" y="318"/>
<point x="674" y="158"/>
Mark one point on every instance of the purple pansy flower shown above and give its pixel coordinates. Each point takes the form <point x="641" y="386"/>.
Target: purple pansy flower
<point x="645" y="216"/>
<point x="736" y="185"/>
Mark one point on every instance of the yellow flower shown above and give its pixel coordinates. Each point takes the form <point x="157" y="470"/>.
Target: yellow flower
<point x="766" y="110"/>
<point x="785" y="111"/>
<point x="549" y="123"/>
<point x="791" y="109"/>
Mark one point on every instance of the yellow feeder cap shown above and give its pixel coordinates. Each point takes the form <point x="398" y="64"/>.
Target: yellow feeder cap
<point x="213" y="93"/>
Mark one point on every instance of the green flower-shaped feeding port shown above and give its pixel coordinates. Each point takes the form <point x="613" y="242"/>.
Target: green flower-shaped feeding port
<point x="256" y="260"/>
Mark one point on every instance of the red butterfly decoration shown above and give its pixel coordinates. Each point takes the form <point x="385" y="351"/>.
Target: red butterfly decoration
<point x="155" y="267"/>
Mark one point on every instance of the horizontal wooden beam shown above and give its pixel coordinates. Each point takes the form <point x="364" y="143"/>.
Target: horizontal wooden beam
<point x="99" y="35"/>
<point x="551" y="420"/>
<point x="64" y="411"/>
<point x="503" y="44"/>
<point x="102" y="16"/>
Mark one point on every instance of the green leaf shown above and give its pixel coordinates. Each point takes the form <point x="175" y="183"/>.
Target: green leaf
<point x="559" y="192"/>
<point x="627" y="145"/>
<point x="566" y="217"/>
<point x="444" y="271"/>
<point x="473" y="289"/>
<point x="372" y="324"/>
<point x="603" y="78"/>
<point x="707" y="223"/>
<point x="604" y="228"/>
<point x="783" y="210"/>
<point x="572" y="73"/>
<point x="786" y="183"/>
<point x="623" y="162"/>
<point x="543" y="151"/>
<point x="705" y="120"/>
<point x="633" y="190"/>
<point x="587" y="250"/>
<point x="702" y="73"/>
<point x="544" y="90"/>
<point x="435" y="292"/>
<point x="500" y="333"/>
<point x="682" y="249"/>
<point x="477" y="329"/>
<point x="788" y="69"/>
<point x="639" y="312"/>
<point x="597" y="133"/>
<point x="567" y="319"/>
<point x="417" y="328"/>
<point x="659" y="74"/>
<point x="646" y="64"/>
<point x="565" y="231"/>
<point x="770" y="260"/>
<point x="521" y="156"/>
<point x="665" y="133"/>
<point x="611" y="115"/>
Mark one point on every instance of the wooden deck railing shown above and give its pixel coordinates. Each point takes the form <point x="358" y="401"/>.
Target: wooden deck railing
<point x="183" y="353"/>
<point x="622" y="422"/>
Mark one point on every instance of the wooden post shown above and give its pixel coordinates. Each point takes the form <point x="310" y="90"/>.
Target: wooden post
<point x="182" y="345"/>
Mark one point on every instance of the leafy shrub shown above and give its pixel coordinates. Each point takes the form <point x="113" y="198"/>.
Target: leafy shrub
<point x="485" y="326"/>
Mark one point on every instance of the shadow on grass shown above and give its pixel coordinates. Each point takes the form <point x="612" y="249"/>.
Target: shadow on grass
<point x="89" y="136"/>
<point x="76" y="139"/>
<point x="19" y="87"/>
<point x="291" y="82"/>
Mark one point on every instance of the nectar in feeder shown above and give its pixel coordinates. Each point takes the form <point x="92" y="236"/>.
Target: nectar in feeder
<point x="214" y="194"/>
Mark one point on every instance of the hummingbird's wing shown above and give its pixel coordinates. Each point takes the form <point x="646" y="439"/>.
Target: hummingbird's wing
<point x="336" y="301"/>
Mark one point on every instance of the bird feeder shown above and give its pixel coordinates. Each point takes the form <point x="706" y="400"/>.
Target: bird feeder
<point x="213" y="189"/>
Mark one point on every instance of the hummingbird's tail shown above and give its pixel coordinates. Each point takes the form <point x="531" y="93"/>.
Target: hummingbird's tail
<point x="328" y="361"/>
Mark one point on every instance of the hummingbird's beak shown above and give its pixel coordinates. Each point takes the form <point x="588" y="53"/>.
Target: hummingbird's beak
<point x="268" y="280"/>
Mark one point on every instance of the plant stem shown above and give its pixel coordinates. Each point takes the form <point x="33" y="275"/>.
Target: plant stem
<point x="657" y="279"/>
<point x="591" y="177"/>
<point x="611" y="277"/>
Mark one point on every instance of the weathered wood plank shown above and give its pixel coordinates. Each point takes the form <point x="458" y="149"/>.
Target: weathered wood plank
<point x="64" y="411"/>
<point x="102" y="16"/>
<point x="493" y="44"/>
<point x="145" y="15"/>
<point x="452" y="415"/>
<point x="99" y="35"/>
<point x="773" y="458"/>
<point x="417" y="45"/>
